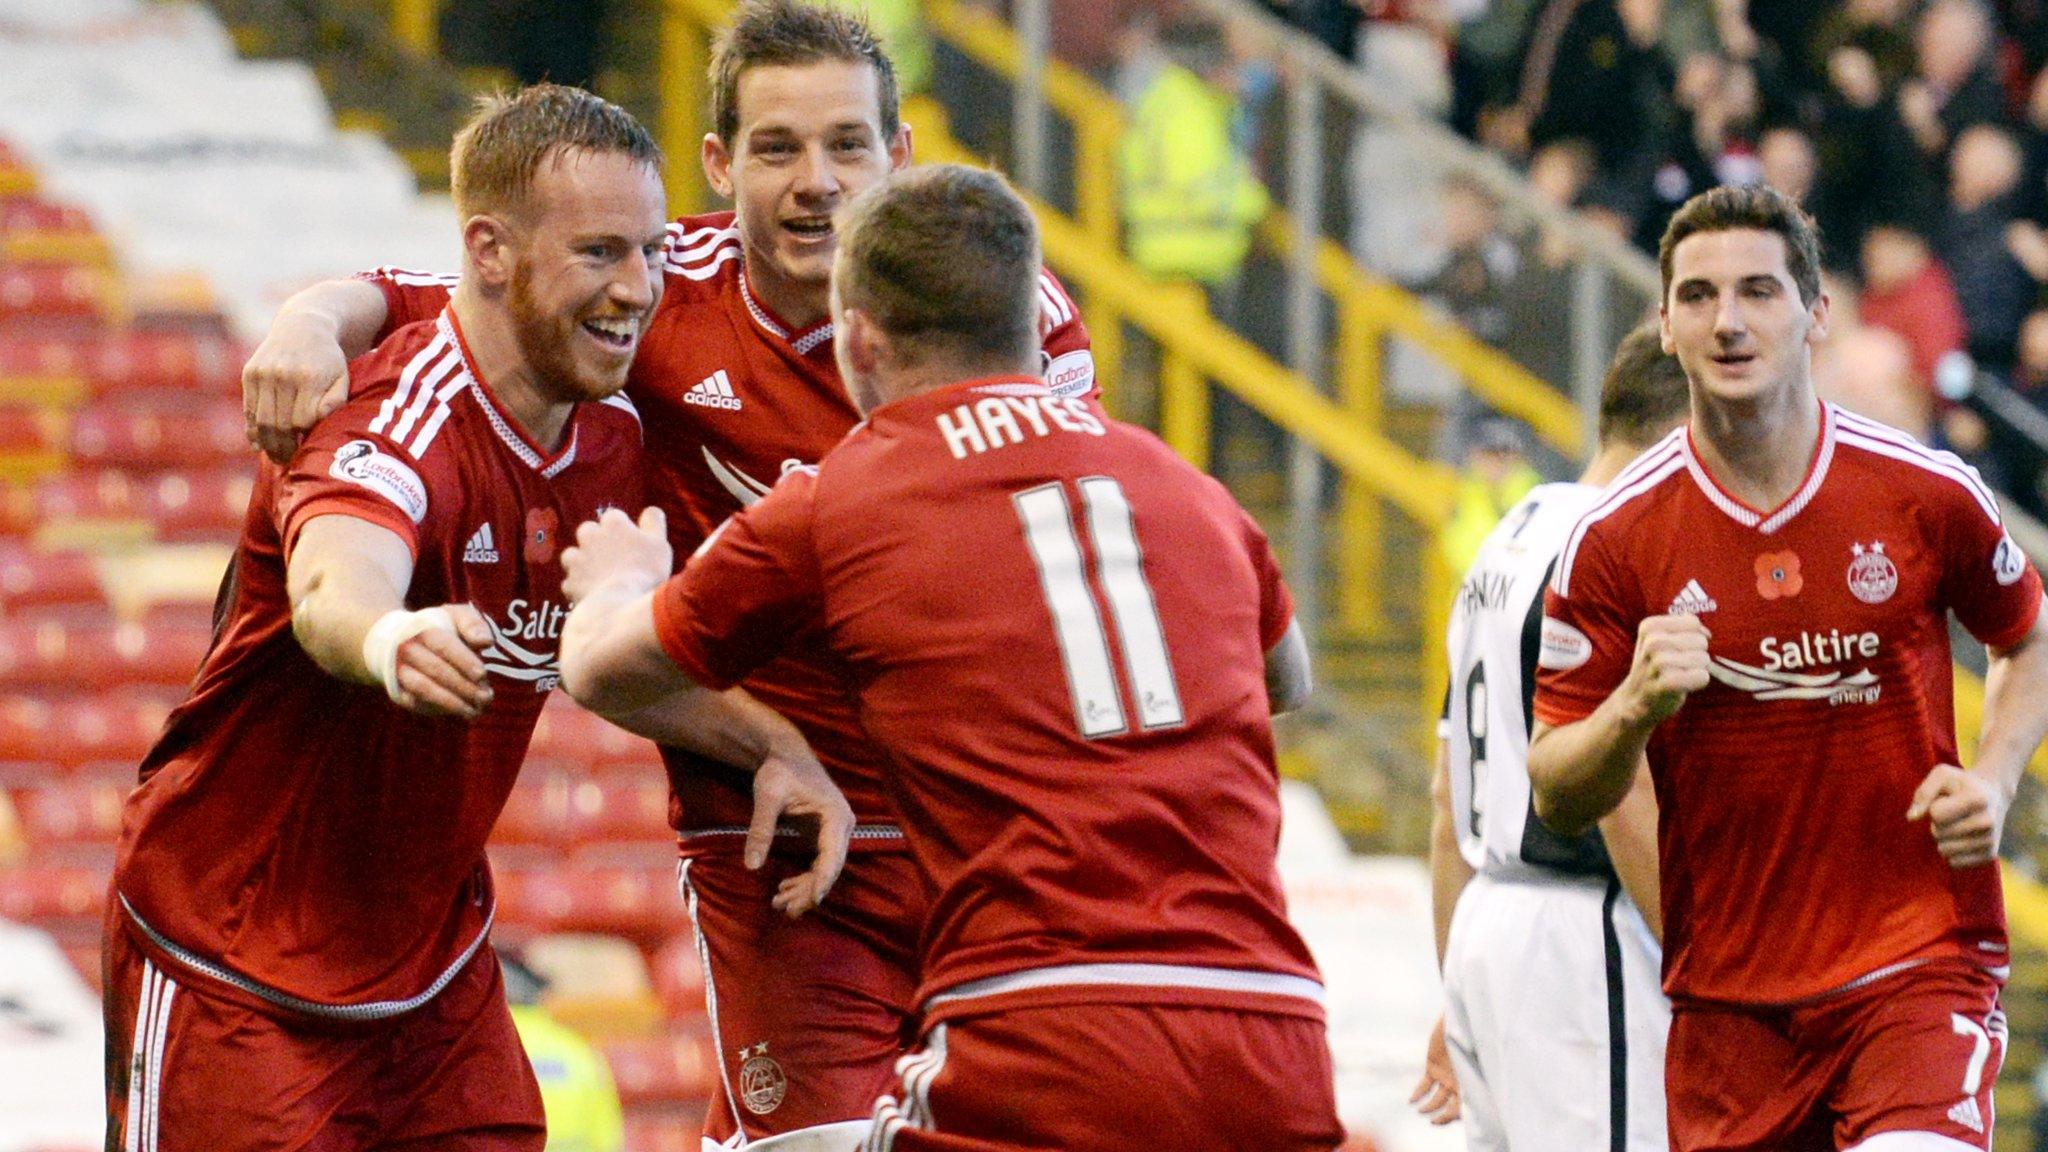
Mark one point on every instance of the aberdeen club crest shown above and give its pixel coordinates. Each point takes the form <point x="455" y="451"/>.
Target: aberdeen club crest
<point x="762" y="1083"/>
<point x="1872" y="575"/>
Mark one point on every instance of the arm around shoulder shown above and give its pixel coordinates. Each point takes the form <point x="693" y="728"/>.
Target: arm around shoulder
<point x="299" y="373"/>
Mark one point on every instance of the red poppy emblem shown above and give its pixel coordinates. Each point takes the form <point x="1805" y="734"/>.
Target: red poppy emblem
<point x="541" y="526"/>
<point x="1777" y="575"/>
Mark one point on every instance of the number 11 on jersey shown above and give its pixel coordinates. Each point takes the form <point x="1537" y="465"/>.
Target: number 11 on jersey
<point x="1049" y="532"/>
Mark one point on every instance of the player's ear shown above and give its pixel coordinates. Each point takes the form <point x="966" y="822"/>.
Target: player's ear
<point x="899" y="149"/>
<point x="862" y="339"/>
<point x="487" y="244"/>
<point x="1664" y="340"/>
<point x="1818" y="312"/>
<point x="717" y="165"/>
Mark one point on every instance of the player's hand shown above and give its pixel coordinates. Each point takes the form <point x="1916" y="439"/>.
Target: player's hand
<point x="1965" y="812"/>
<point x="1436" y="1094"/>
<point x="792" y="785"/>
<point x="295" y="378"/>
<point x="612" y="547"/>
<point x="1670" y="664"/>
<point x="440" y="673"/>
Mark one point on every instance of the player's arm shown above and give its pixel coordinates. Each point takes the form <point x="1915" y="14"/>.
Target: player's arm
<point x="1630" y="833"/>
<point x="346" y="578"/>
<point x="1289" y="677"/>
<point x="1583" y="770"/>
<point x="1966" y="809"/>
<point x="299" y="373"/>
<point x="614" y="664"/>
<point x="1436" y="1094"/>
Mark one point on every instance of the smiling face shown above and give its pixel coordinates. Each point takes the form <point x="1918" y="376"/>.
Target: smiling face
<point x="585" y="258"/>
<point x="809" y="137"/>
<point x="1734" y="319"/>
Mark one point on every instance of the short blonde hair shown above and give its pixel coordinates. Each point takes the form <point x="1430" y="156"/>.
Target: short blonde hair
<point x="496" y="154"/>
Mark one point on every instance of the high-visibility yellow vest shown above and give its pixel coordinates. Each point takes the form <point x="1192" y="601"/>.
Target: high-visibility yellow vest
<point x="576" y="1088"/>
<point x="1189" y="197"/>
<point x="899" y="25"/>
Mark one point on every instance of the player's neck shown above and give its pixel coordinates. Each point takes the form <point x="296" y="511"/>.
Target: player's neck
<point x="502" y="369"/>
<point x="799" y="304"/>
<point x="1608" y="462"/>
<point x="1758" y="450"/>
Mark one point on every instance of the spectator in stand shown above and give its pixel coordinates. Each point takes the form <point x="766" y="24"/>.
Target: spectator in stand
<point x="1866" y="369"/>
<point x="1589" y="68"/>
<point x="1479" y="263"/>
<point x="1189" y="198"/>
<point x="1786" y="161"/>
<point x="1558" y="174"/>
<point x="1955" y="83"/>
<point x="1871" y="169"/>
<point x="1993" y="287"/>
<point x="1496" y="476"/>
<point x="1907" y="291"/>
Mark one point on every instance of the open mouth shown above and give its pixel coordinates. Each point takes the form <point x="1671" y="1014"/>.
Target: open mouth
<point x="809" y="228"/>
<point x="1734" y="359"/>
<point x="614" y="332"/>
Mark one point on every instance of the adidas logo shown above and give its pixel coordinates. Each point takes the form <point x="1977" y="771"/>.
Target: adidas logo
<point x="481" y="549"/>
<point x="713" y="391"/>
<point x="1968" y="1115"/>
<point x="1692" y="601"/>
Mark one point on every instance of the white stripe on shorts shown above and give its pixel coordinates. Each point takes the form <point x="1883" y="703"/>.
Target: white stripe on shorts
<point x="146" y="1060"/>
<point x="917" y="1070"/>
<point x="732" y="1099"/>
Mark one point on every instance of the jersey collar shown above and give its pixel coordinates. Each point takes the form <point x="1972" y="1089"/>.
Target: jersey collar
<point x="1768" y="522"/>
<point x="502" y="423"/>
<point x="804" y="342"/>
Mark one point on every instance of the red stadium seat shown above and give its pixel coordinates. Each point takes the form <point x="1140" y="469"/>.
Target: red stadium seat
<point x="151" y="362"/>
<point x="33" y="892"/>
<point x="67" y="812"/>
<point x="664" y="1128"/>
<point x="151" y="436"/>
<point x="630" y="810"/>
<point x="51" y="654"/>
<point x="78" y="298"/>
<point x="639" y="903"/>
<point x="538" y="813"/>
<point x="677" y="970"/>
<point x="38" y="231"/>
<point x="205" y="505"/>
<point x="31" y="578"/>
<point x="42" y="368"/>
<point x="565" y="735"/>
<point x="677" y="1068"/>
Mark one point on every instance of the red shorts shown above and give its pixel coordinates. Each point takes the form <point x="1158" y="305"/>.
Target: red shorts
<point x="809" y="1015"/>
<point x="1917" y="1051"/>
<point x="189" y="1068"/>
<point x="1115" y="1078"/>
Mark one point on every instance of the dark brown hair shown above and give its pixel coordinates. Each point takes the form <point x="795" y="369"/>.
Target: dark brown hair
<point x="496" y="154"/>
<point x="944" y="258"/>
<point x="1730" y="208"/>
<point x="766" y="33"/>
<point x="1644" y="395"/>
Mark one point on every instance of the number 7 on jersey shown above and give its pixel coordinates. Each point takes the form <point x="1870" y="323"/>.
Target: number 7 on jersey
<point x="1049" y="532"/>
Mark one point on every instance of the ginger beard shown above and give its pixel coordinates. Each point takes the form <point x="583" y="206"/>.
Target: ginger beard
<point x="571" y="362"/>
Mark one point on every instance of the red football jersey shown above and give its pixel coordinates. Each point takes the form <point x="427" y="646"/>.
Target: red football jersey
<point x="1058" y="630"/>
<point x="1789" y="869"/>
<point x="302" y="838"/>
<point x="734" y="398"/>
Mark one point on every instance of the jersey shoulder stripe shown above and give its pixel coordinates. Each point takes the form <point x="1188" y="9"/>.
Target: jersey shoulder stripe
<point x="1882" y="440"/>
<point x="698" y="254"/>
<point x="1053" y="301"/>
<point x="433" y="362"/>
<point x="410" y="277"/>
<point x="618" y="400"/>
<point x="1649" y="470"/>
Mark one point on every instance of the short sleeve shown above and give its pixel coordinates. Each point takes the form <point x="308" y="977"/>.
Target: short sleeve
<point x="1588" y="636"/>
<point x="1986" y="579"/>
<point x="1069" y="355"/>
<point x="409" y="296"/>
<point x="342" y="469"/>
<point x="1276" y="603"/>
<point x="750" y="588"/>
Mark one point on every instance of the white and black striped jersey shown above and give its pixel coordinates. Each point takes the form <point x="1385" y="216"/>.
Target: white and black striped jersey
<point x="1492" y="641"/>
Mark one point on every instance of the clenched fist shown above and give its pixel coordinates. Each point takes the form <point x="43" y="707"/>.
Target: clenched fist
<point x="1670" y="664"/>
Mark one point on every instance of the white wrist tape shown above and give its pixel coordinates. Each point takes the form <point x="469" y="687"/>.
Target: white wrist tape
<point x="389" y="634"/>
